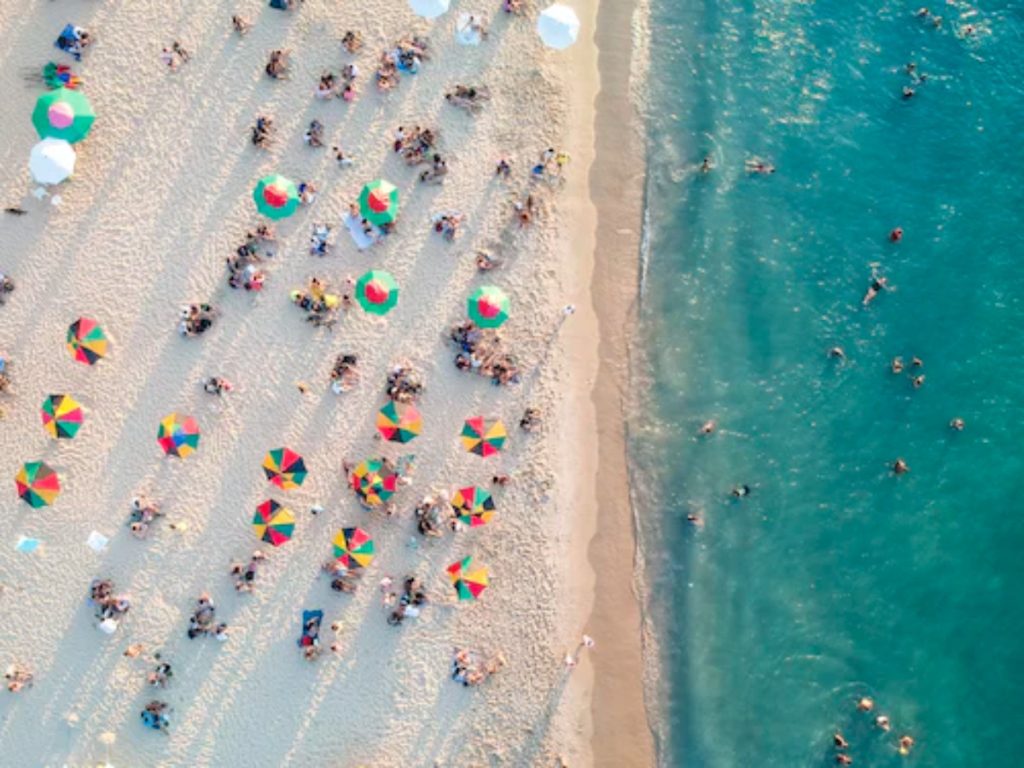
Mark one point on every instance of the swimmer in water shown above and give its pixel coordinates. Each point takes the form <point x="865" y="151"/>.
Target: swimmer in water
<point x="695" y="519"/>
<point x="756" y="165"/>
<point x="908" y="92"/>
<point x="706" y="165"/>
<point x="896" y="366"/>
<point x="875" y="287"/>
<point x="865" y="704"/>
<point x="922" y="13"/>
<point x="708" y="427"/>
<point x="839" y="742"/>
<point x="906" y="744"/>
<point x="842" y="759"/>
<point x="917" y="362"/>
<point x="918" y="381"/>
<point x="896" y="235"/>
<point x="740" y="491"/>
<point x="957" y="424"/>
<point x="836" y="353"/>
<point x="900" y="467"/>
<point x="882" y="722"/>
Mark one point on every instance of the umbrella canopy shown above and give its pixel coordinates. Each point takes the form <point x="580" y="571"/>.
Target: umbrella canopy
<point x="51" y="161"/>
<point x="284" y="468"/>
<point x="373" y="482"/>
<point x="276" y="197"/>
<point x="488" y="307"/>
<point x="377" y="292"/>
<point x="378" y="202"/>
<point x="429" y="9"/>
<point x="178" y="435"/>
<point x="63" y="114"/>
<point x="474" y="506"/>
<point x="273" y="523"/>
<point x="353" y="547"/>
<point x="558" y="26"/>
<point x="468" y="581"/>
<point x="62" y="416"/>
<point x="86" y="341"/>
<point x="399" y="422"/>
<point x="38" y="485"/>
<point x="484" y="437"/>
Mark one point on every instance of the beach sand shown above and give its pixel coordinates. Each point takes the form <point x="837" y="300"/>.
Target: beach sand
<point x="161" y="195"/>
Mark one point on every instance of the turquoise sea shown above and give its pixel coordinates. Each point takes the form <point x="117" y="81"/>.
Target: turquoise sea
<point x="834" y="578"/>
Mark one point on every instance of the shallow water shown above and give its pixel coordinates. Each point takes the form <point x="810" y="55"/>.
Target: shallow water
<point x="833" y="579"/>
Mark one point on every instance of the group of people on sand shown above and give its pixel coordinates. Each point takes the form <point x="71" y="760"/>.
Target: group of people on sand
<point x="277" y="64"/>
<point x="414" y="144"/>
<point x="107" y="605"/>
<point x="343" y="578"/>
<point x="18" y="678"/>
<point x="410" y="602"/>
<point x="6" y="287"/>
<point x="174" y="56"/>
<point x="472" y="668"/>
<point x="263" y="131"/>
<point x="481" y="351"/>
<point x="5" y="373"/>
<point x="332" y="86"/>
<point x="196" y="319"/>
<point x="244" y="265"/>
<point x="244" y="574"/>
<point x="408" y="55"/>
<point x="202" y="621"/>
<point x="842" y="746"/>
<point x="551" y="166"/>
<point x="470" y="98"/>
<point x="433" y="516"/>
<point x="374" y="232"/>
<point x="404" y="384"/>
<point x="142" y="516"/>
<point x="344" y="373"/>
<point x="321" y="306"/>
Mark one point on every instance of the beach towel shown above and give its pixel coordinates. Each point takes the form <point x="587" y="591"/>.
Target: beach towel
<point x="354" y="225"/>
<point x="307" y="616"/>
<point x="68" y="41"/>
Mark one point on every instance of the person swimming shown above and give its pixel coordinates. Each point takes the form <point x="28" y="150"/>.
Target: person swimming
<point x="957" y="424"/>
<point x="875" y="287"/>
<point x="740" y="491"/>
<point x="707" y="428"/>
<point x="900" y="467"/>
<point x="896" y="366"/>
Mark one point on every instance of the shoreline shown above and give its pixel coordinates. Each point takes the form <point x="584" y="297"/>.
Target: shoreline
<point x="608" y="258"/>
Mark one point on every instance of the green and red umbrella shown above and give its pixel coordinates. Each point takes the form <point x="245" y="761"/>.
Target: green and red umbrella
<point x="373" y="482"/>
<point x="468" y="581"/>
<point x="37" y="483"/>
<point x="353" y="547"/>
<point x="378" y="202"/>
<point x="86" y="341"/>
<point x="484" y="437"/>
<point x="399" y="422"/>
<point x="178" y="435"/>
<point x="488" y="307"/>
<point x="473" y="506"/>
<point x="63" y="114"/>
<point x="273" y="523"/>
<point x="62" y="416"/>
<point x="276" y="197"/>
<point x="284" y="468"/>
<point x="377" y="292"/>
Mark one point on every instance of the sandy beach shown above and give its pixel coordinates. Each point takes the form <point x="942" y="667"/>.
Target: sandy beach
<point x="161" y="195"/>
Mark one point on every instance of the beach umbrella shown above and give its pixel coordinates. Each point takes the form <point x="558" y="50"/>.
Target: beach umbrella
<point x="86" y="341"/>
<point x="488" y="307"/>
<point x="51" y="161"/>
<point x="558" y="26"/>
<point x="353" y="547"/>
<point x="474" y="506"/>
<point x="468" y="581"/>
<point x="429" y="9"/>
<point x="37" y="483"/>
<point x="484" y="437"/>
<point x="373" y="482"/>
<point x="178" y="435"/>
<point x="276" y="197"/>
<point x="284" y="468"/>
<point x="62" y="416"/>
<point x="273" y="523"/>
<point x="377" y="292"/>
<point x="378" y="202"/>
<point x="399" y="422"/>
<point x="63" y="114"/>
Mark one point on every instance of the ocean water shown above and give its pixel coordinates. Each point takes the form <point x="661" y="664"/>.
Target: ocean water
<point x="834" y="578"/>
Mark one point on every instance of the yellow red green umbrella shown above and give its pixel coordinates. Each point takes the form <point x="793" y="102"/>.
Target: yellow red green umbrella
<point x="377" y="292"/>
<point x="284" y="468"/>
<point x="484" y="437"/>
<point x="86" y="341"/>
<point x="488" y="307"/>
<point x="374" y="482"/>
<point x="473" y="505"/>
<point x="38" y="485"/>
<point x="178" y="435"/>
<point x="468" y="581"/>
<point x="353" y="547"/>
<point x="378" y="202"/>
<point x="399" y="422"/>
<point x="273" y="523"/>
<point x="62" y="416"/>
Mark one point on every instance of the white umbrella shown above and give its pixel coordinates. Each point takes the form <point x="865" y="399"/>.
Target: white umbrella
<point x="558" y="26"/>
<point x="429" y="9"/>
<point x="52" y="161"/>
<point x="464" y="33"/>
